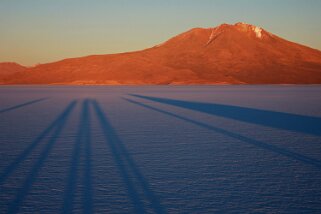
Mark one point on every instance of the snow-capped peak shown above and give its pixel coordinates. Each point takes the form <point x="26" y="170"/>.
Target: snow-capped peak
<point x="248" y="27"/>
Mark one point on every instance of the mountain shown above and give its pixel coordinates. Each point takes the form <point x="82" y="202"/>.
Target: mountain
<point x="9" y="68"/>
<point x="227" y="54"/>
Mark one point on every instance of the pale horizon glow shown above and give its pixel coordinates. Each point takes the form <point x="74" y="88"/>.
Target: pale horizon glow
<point x="44" y="31"/>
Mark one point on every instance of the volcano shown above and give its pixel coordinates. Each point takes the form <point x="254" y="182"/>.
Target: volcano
<point x="227" y="54"/>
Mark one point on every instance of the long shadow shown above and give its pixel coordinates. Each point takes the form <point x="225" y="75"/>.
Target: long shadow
<point x="22" y="105"/>
<point x="25" y="153"/>
<point x="15" y="205"/>
<point x="280" y="120"/>
<point x="121" y="157"/>
<point x="292" y="155"/>
<point x="88" y="194"/>
<point x="74" y="167"/>
<point x="83" y="139"/>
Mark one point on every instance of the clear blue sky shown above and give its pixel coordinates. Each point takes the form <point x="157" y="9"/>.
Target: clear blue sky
<point x="39" y="31"/>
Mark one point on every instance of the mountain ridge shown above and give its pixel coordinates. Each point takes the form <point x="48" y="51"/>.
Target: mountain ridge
<point x="226" y="54"/>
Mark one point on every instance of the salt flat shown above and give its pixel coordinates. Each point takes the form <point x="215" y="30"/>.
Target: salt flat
<point x="160" y="149"/>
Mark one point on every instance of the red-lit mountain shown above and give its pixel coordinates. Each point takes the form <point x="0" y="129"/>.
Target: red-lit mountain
<point x="9" y="68"/>
<point x="232" y="54"/>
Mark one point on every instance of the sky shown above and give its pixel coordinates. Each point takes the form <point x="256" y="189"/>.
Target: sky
<point x="41" y="31"/>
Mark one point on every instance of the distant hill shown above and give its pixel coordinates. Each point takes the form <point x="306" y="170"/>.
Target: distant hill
<point x="227" y="54"/>
<point x="10" y="68"/>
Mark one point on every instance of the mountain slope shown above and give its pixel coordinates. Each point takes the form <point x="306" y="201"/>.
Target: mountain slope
<point x="233" y="54"/>
<point x="9" y="68"/>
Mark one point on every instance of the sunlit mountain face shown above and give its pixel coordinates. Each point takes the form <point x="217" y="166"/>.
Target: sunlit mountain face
<point x="227" y="54"/>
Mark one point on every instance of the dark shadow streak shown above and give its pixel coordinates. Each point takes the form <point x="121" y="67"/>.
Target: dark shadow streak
<point x="9" y="169"/>
<point x="119" y="152"/>
<point x="280" y="120"/>
<point x="87" y="195"/>
<point x="15" y="205"/>
<point x="74" y="167"/>
<point x="83" y="138"/>
<point x="275" y="149"/>
<point x="112" y="139"/>
<point x="22" y="105"/>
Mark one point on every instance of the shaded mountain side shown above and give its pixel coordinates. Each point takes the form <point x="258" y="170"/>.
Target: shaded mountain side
<point x="230" y="54"/>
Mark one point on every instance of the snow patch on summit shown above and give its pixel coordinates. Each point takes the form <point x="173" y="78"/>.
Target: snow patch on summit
<point x="248" y="28"/>
<point x="258" y="31"/>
